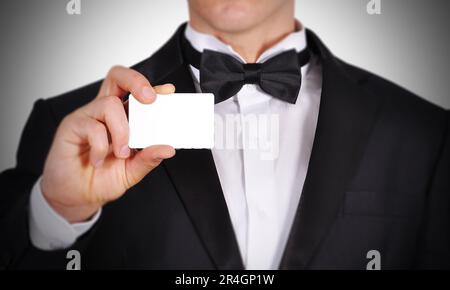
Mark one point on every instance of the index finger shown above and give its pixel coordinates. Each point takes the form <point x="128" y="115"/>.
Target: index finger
<point x="122" y="80"/>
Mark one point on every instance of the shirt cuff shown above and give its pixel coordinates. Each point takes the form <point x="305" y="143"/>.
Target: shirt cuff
<point x="49" y="230"/>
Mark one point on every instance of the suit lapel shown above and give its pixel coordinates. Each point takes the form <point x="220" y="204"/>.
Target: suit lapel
<point x="194" y="175"/>
<point x="193" y="172"/>
<point x="346" y="116"/>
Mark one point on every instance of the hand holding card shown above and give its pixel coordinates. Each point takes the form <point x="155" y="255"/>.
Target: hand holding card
<point x="181" y="120"/>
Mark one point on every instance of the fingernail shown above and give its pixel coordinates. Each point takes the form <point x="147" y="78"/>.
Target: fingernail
<point x="167" y="155"/>
<point x="99" y="163"/>
<point x="125" y="151"/>
<point x="172" y="153"/>
<point x="148" y="93"/>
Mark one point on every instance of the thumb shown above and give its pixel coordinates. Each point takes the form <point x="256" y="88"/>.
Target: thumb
<point x="139" y="165"/>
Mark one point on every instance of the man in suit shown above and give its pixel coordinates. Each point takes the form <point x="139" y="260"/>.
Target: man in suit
<point x="362" y="164"/>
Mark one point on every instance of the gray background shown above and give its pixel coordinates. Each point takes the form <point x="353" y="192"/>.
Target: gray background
<point x="45" y="51"/>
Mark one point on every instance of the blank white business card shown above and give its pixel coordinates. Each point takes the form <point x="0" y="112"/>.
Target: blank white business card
<point x="180" y="120"/>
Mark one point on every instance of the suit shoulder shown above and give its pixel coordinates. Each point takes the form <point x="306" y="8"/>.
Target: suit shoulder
<point x="154" y="68"/>
<point x="398" y="100"/>
<point x="65" y="103"/>
<point x="402" y="115"/>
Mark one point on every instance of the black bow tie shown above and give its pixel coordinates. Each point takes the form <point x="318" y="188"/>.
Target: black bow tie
<point x="224" y="76"/>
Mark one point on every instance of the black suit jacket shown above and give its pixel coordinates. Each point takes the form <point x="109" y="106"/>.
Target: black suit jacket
<point x="378" y="179"/>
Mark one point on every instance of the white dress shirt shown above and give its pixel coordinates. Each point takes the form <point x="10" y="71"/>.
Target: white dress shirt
<point x="261" y="183"/>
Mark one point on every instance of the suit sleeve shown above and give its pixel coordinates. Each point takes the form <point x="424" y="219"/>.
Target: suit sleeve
<point x="16" y="249"/>
<point x="434" y="251"/>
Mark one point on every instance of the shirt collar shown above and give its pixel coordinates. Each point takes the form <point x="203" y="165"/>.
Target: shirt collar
<point x="201" y="41"/>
